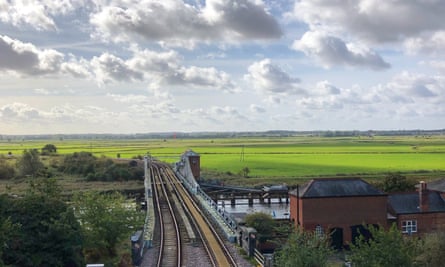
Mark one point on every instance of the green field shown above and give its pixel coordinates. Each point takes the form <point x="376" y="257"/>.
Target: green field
<point x="282" y="159"/>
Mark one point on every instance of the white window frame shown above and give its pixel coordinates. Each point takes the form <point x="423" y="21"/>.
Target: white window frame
<point x="409" y="226"/>
<point x="319" y="230"/>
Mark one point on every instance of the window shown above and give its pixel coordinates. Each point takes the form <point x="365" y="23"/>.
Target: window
<point x="409" y="226"/>
<point x="318" y="230"/>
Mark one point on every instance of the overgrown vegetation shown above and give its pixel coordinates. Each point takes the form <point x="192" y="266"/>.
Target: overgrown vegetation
<point x="304" y="249"/>
<point x="100" y="169"/>
<point x="106" y="221"/>
<point x="43" y="229"/>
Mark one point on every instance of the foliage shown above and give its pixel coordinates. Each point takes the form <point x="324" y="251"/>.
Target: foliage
<point x="6" y="170"/>
<point x="386" y="248"/>
<point x="49" y="149"/>
<point x="105" y="220"/>
<point x="78" y="163"/>
<point x="30" y="164"/>
<point x="263" y="223"/>
<point x="49" y="234"/>
<point x="396" y="182"/>
<point x="276" y="157"/>
<point x="100" y="169"/>
<point x="432" y="250"/>
<point x="7" y="229"/>
<point x="45" y="187"/>
<point x="245" y="172"/>
<point x="304" y="249"/>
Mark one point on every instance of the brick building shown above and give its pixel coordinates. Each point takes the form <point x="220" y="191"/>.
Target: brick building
<point x="339" y="207"/>
<point x="418" y="212"/>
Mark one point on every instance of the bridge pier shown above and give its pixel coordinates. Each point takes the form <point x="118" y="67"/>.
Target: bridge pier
<point x="250" y="200"/>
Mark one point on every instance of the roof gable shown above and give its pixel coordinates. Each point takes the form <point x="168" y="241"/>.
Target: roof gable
<point x="345" y="187"/>
<point x="405" y="203"/>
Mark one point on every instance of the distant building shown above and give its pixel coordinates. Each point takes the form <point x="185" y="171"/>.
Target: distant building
<point x="418" y="212"/>
<point x="194" y="162"/>
<point x="339" y="207"/>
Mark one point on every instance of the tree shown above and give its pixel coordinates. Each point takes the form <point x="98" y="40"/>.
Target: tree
<point x="46" y="187"/>
<point x="7" y="229"/>
<point x="106" y="221"/>
<point x="396" y="182"/>
<point x="30" y="163"/>
<point x="78" y="163"/>
<point x="245" y="172"/>
<point x="49" y="234"/>
<point x="49" y="149"/>
<point x="383" y="249"/>
<point x="6" y="170"/>
<point x="304" y="249"/>
<point x="263" y="223"/>
<point x="432" y="252"/>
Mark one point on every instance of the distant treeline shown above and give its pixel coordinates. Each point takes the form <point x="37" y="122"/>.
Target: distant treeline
<point x="191" y="135"/>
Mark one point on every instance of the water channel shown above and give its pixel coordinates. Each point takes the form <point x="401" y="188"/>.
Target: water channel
<point x="276" y="209"/>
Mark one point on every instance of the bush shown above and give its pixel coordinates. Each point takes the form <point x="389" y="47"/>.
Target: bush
<point x="6" y="170"/>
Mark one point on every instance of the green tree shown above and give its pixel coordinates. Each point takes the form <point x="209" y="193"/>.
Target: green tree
<point x="396" y="182"/>
<point x="6" y="170"/>
<point x="106" y="221"/>
<point x="78" y="163"/>
<point x="46" y="187"/>
<point x="29" y="163"/>
<point x="7" y="229"/>
<point x="245" y="172"/>
<point x="49" y="234"/>
<point x="385" y="248"/>
<point x="263" y="223"/>
<point x="49" y="149"/>
<point x="304" y="249"/>
<point x="432" y="252"/>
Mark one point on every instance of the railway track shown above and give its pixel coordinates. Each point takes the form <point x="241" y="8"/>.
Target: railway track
<point x="170" y="238"/>
<point x="165" y="181"/>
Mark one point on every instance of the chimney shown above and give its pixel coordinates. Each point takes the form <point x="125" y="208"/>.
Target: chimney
<point x="423" y="197"/>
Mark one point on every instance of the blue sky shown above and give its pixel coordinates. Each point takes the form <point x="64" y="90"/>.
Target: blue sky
<point x="127" y="66"/>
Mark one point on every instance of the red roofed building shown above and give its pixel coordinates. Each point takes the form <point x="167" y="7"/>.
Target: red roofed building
<point x="339" y="207"/>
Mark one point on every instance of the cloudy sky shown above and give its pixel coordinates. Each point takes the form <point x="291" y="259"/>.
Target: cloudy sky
<point x="136" y="66"/>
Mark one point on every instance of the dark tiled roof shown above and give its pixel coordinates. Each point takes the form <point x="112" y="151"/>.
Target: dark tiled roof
<point x="337" y="188"/>
<point x="409" y="202"/>
<point x="437" y="185"/>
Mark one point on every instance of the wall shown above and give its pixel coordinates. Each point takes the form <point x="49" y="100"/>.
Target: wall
<point x="342" y="212"/>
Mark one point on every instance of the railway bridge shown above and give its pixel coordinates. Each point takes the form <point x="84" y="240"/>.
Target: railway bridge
<point x="176" y="199"/>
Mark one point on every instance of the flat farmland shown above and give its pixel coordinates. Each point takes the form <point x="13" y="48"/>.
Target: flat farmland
<point x="274" y="157"/>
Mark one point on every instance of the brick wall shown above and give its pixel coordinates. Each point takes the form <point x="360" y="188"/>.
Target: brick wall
<point x="342" y="212"/>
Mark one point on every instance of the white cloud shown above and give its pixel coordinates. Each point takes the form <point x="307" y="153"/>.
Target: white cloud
<point x="27" y="59"/>
<point x="372" y="20"/>
<point x="18" y="112"/>
<point x="270" y="78"/>
<point x="257" y="109"/>
<point x="331" y="51"/>
<point x="110" y="68"/>
<point x="38" y="14"/>
<point x="175" y="22"/>
<point x="429" y="44"/>
<point x="416" y="86"/>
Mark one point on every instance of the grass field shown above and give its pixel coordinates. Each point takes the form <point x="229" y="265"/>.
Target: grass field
<point x="281" y="159"/>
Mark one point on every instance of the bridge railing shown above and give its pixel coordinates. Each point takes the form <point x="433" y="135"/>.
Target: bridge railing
<point x="224" y="220"/>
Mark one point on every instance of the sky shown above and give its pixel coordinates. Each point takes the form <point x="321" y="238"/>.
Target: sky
<point x="142" y="66"/>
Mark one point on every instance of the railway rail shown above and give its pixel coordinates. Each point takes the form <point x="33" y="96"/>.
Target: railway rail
<point x="167" y="186"/>
<point x="170" y="240"/>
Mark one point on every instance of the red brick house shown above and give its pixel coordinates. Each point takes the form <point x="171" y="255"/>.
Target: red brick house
<point x="418" y="212"/>
<point x="339" y="207"/>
